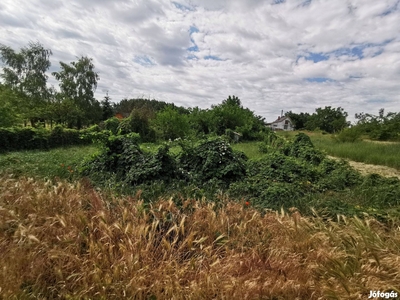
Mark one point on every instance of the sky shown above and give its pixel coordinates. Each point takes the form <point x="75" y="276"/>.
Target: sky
<point x="274" y="55"/>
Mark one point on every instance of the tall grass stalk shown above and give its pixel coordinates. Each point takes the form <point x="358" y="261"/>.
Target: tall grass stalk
<point x="69" y="241"/>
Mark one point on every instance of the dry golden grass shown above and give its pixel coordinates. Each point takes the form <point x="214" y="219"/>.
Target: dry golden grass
<point x="71" y="242"/>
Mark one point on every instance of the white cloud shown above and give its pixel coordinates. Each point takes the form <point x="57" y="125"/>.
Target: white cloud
<point x="270" y="55"/>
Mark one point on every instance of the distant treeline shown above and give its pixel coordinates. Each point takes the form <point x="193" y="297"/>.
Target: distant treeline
<point x="377" y="127"/>
<point x="25" y="99"/>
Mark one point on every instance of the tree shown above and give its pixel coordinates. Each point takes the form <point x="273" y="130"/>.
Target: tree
<point x="78" y="82"/>
<point x="230" y="114"/>
<point x="299" y="120"/>
<point x="25" y="74"/>
<point x="379" y="127"/>
<point x="170" y="124"/>
<point x="107" y="108"/>
<point x="328" y="119"/>
<point x="8" y="104"/>
<point x="139" y="122"/>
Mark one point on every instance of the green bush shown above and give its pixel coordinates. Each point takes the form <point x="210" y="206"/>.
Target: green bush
<point x="112" y="124"/>
<point x="212" y="159"/>
<point x="28" y="138"/>
<point x="123" y="161"/>
<point x="289" y="174"/>
<point x="349" y="135"/>
<point x="61" y="137"/>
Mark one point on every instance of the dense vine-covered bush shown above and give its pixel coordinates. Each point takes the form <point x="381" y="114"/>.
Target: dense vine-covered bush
<point x="212" y="159"/>
<point x="290" y="171"/>
<point x="123" y="159"/>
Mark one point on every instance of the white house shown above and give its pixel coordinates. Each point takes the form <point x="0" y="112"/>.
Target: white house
<point x="282" y="123"/>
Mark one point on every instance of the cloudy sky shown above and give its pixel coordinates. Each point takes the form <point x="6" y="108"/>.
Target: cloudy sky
<point x="274" y="54"/>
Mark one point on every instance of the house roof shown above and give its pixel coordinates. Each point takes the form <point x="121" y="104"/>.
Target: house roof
<point x="281" y="119"/>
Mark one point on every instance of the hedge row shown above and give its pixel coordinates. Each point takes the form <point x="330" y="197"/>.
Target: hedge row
<point x="26" y="138"/>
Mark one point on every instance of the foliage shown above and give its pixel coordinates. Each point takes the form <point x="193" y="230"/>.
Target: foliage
<point x="28" y="138"/>
<point x="212" y="159"/>
<point x="126" y="106"/>
<point x="299" y="120"/>
<point x="25" y="73"/>
<point x="138" y="122"/>
<point x="379" y="127"/>
<point x="112" y="124"/>
<point x="9" y="115"/>
<point x="230" y="114"/>
<point x="106" y="107"/>
<point x="349" y="135"/>
<point x="328" y="119"/>
<point x="78" y="81"/>
<point x="169" y="124"/>
<point x="122" y="158"/>
<point x="201" y="121"/>
<point x="291" y="171"/>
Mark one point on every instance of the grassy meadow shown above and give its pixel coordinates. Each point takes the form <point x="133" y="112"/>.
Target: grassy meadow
<point x="370" y="152"/>
<point x="54" y="163"/>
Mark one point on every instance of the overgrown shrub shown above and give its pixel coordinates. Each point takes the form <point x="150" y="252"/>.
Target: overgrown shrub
<point x="112" y="125"/>
<point x="124" y="161"/>
<point x="349" y="135"/>
<point x="28" y="138"/>
<point x="212" y="159"/>
<point x="22" y="138"/>
<point x="290" y="172"/>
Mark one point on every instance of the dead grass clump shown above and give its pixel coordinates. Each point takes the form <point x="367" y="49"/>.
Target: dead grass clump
<point x="69" y="241"/>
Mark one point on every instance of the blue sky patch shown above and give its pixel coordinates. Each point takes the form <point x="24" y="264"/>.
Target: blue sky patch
<point x="356" y="51"/>
<point x="193" y="48"/>
<point x="192" y="57"/>
<point x="278" y="1"/>
<point x="193" y="29"/>
<point x="182" y="7"/>
<point x="143" y="60"/>
<point x="319" y="79"/>
<point x="212" y="57"/>
<point x="316" y="57"/>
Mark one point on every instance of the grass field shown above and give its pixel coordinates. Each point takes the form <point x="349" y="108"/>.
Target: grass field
<point x="386" y="154"/>
<point x="369" y="152"/>
<point x="251" y="149"/>
<point x="59" y="162"/>
<point x="69" y="241"/>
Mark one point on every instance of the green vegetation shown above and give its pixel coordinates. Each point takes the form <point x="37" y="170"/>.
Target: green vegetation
<point x="380" y="127"/>
<point x="94" y="222"/>
<point x="386" y="154"/>
<point x="327" y="119"/>
<point x="60" y="162"/>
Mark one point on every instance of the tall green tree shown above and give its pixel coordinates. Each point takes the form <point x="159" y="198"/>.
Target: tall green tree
<point x="9" y="115"/>
<point x="107" y="108"/>
<point x="230" y="114"/>
<point x="379" y="126"/>
<point x="25" y="73"/>
<point x="170" y="124"/>
<point x="328" y="119"/>
<point x="299" y="120"/>
<point x="78" y="82"/>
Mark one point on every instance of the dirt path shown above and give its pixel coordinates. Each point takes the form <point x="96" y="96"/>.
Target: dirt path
<point x="366" y="169"/>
